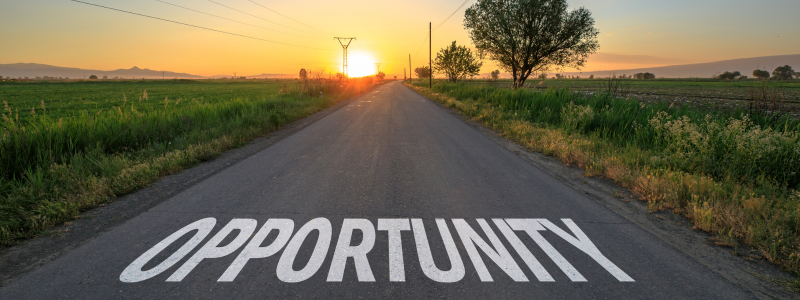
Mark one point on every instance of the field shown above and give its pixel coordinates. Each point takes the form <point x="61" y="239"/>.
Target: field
<point x="68" y="146"/>
<point x="67" y="99"/>
<point x="732" y="172"/>
<point x="708" y="94"/>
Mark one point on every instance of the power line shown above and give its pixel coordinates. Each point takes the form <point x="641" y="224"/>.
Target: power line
<point x="254" y="16"/>
<point x="186" y="8"/>
<point x="200" y="27"/>
<point x="451" y="15"/>
<point x="440" y="24"/>
<point x="285" y="16"/>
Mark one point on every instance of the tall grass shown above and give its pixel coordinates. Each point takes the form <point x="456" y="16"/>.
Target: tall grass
<point x="720" y="144"/>
<point x="731" y="173"/>
<point x="52" y="169"/>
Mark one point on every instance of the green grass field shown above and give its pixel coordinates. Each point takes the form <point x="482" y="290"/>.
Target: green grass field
<point x="68" y="146"/>
<point x="732" y="173"/>
<point x="709" y="94"/>
<point x="67" y="99"/>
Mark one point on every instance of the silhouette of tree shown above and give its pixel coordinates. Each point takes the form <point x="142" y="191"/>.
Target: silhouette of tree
<point x="760" y="74"/>
<point x="93" y="77"/>
<point x="783" y="73"/>
<point x="380" y="75"/>
<point x="495" y="74"/>
<point x="729" y="75"/>
<point x="531" y="36"/>
<point x="422" y="72"/>
<point x="303" y="74"/>
<point x="457" y="62"/>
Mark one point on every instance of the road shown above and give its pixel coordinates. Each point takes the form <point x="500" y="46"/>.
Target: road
<point x="389" y="196"/>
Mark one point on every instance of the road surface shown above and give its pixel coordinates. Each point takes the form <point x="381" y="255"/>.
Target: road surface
<point x="389" y="196"/>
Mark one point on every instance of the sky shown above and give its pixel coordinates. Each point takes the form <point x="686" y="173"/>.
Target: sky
<point x="633" y="33"/>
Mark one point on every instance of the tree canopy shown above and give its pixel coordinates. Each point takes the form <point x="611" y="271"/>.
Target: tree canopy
<point x="760" y="74"/>
<point x="495" y="74"/>
<point x="422" y="72"/>
<point x="729" y="75"/>
<point x="303" y="74"/>
<point x="457" y="62"/>
<point x="783" y="73"/>
<point x="531" y="36"/>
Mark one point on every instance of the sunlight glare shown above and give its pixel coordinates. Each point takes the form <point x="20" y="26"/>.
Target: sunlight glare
<point x="360" y="64"/>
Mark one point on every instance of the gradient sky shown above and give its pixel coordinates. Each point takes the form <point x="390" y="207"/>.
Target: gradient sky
<point x="633" y="33"/>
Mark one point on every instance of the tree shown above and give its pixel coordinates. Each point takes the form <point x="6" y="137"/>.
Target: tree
<point x="646" y="75"/>
<point x="543" y="76"/>
<point x="783" y="73"/>
<point x="457" y="62"/>
<point x="591" y="76"/>
<point x="760" y="74"/>
<point x="531" y="36"/>
<point x="729" y="75"/>
<point x="93" y="77"/>
<point x="796" y="75"/>
<point x="380" y="75"/>
<point x="303" y="74"/>
<point x="422" y="72"/>
<point x="495" y="74"/>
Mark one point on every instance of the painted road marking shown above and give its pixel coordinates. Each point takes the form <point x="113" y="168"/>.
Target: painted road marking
<point x="494" y="249"/>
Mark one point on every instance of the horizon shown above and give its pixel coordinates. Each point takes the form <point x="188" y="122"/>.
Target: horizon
<point x="632" y="35"/>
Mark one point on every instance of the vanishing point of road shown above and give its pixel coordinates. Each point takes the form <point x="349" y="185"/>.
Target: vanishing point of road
<point x="390" y="196"/>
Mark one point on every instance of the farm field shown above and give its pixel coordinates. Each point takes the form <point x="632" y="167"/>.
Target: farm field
<point x="710" y="94"/>
<point x="66" y="99"/>
<point x="69" y="146"/>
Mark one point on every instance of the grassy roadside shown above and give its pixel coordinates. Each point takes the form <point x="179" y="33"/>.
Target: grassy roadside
<point x="732" y="176"/>
<point x="54" y="168"/>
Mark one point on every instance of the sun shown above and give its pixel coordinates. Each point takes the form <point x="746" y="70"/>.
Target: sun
<point x="360" y="64"/>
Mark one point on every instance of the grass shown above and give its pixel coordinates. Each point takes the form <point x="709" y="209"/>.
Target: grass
<point x="60" y="161"/>
<point x="732" y="174"/>
<point x="706" y="94"/>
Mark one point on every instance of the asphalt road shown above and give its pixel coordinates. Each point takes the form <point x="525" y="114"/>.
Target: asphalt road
<point x="356" y="204"/>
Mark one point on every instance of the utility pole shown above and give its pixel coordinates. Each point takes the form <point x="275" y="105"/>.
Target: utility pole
<point x="162" y="76"/>
<point x="430" y="51"/>
<point x="404" y="74"/>
<point x="378" y="68"/>
<point x="409" y="66"/>
<point x="344" y="53"/>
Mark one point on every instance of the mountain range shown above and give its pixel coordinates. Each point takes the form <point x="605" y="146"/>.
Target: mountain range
<point x="706" y="70"/>
<point x="40" y="70"/>
<point x="703" y="70"/>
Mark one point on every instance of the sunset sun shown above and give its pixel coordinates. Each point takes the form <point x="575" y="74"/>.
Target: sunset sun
<point x="360" y="64"/>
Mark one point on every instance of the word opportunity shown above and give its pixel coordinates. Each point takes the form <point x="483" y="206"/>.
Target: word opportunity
<point x="290" y="244"/>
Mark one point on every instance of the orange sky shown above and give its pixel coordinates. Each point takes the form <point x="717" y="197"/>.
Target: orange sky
<point x="633" y="34"/>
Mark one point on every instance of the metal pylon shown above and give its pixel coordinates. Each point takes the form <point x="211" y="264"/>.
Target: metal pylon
<point x="344" y="52"/>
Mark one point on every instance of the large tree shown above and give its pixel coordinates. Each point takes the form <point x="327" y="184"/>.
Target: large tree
<point x="783" y="73"/>
<point x="531" y="36"/>
<point x="457" y="62"/>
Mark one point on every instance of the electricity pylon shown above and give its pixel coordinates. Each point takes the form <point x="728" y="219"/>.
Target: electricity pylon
<point x="344" y="50"/>
<point x="378" y="67"/>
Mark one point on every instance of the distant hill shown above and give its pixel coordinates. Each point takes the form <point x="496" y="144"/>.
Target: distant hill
<point x="264" y="75"/>
<point x="40" y="70"/>
<point x="704" y="70"/>
<point x="707" y="70"/>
